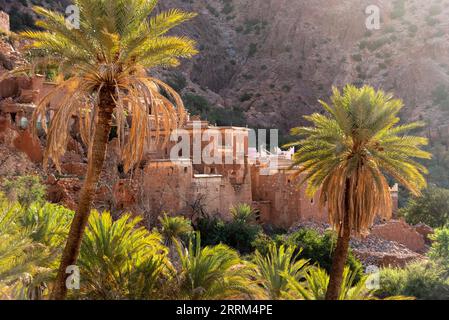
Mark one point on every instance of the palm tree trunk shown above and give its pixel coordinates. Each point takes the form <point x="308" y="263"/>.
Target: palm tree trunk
<point x="95" y="165"/>
<point x="340" y="254"/>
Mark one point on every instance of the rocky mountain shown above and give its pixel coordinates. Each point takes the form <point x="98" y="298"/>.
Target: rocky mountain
<point x="265" y="63"/>
<point x="272" y="59"/>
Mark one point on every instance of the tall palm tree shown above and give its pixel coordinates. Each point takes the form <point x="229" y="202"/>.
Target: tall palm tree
<point x="348" y="155"/>
<point x="103" y="80"/>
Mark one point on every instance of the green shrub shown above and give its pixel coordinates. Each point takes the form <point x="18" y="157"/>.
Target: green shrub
<point x="357" y="57"/>
<point x="239" y="233"/>
<point x="439" y="251"/>
<point x="177" y="81"/>
<point x="20" y="20"/>
<point x="432" y="208"/>
<point x="195" y="104"/>
<point x="431" y="21"/>
<point x="440" y="95"/>
<point x="423" y="280"/>
<point x="398" y="9"/>
<point x="24" y="189"/>
<point x="246" y="96"/>
<point x="252" y="50"/>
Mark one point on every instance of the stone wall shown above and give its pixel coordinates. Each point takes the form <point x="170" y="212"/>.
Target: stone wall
<point x="287" y="201"/>
<point x="166" y="187"/>
<point x="4" y="22"/>
<point x="401" y="232"/>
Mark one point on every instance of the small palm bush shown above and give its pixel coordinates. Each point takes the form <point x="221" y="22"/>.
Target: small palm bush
<point x="317" y="281"/>
<point x="119" y="260"/>
<point x="315" y="247"/>
<point x="242" y="213"/>
<point x="47" y="223"/>
<point x="212" y="273"/>
<point x="175" y="228"/>
<point x="30" y="239"/>
<point x="275" y="268"/>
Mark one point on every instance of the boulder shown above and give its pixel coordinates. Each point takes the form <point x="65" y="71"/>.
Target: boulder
<point x="425" y="231"/>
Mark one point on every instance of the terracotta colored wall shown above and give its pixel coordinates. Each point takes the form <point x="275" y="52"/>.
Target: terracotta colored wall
<point x="30" y="145"/>
<point x="400" y="231"/>
<point x="4" y="21"/>
<point x="289" y="203"/>
<point x="166" y="186"/>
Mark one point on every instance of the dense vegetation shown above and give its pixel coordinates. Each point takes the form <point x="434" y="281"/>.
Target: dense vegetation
<point x="120" y="260"/>
<point x="432" y="208"/>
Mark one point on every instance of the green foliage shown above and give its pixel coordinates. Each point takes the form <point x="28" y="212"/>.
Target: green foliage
<point x="398" y="9"/>
<point x="315" y="247"/>
<point x="252" y="50"/>
<point x="119" y="260"/>
<point x="316" y="281"/>
<point x="227" y="7"/>
<point x="423" y="280"/>
<point x="212" y="273"/>
<point x="275" y="268"/>
<point x="243" y="213"/>
<point x="20" y="20"/>
<point x="198" y="105"/>
<point x="177" y="81"/>
<point x="357" y="142"/>
<point x="440" y="97"/>
<point x="46" y="223"/>
<point x="30" y="239"/>
<point x="240" y="233"/>
<point x="175" y="228"/>
<point x="439" y="251"/>
<point x="24" y="189"/>
<point x="246" y="97"/>
<point x="431" y="208"/>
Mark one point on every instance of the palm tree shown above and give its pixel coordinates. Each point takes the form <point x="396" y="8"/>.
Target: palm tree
<point x="119" y="260"/>
<point x="212" y="272"/>
<point x="103" y="79"/>
<point x="274" y="269"/>
<point x="31" y="237"/>
<point x="174" y="228"/>
<point x="316" y="281"/>
<point x="348" y="155"/>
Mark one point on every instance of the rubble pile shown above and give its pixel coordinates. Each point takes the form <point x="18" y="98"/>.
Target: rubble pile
<point x="394" y="243"/>
<point x="373" y="250"/>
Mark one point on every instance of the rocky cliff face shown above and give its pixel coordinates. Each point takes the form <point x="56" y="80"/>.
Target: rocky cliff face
<point x="273" y="59"/>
